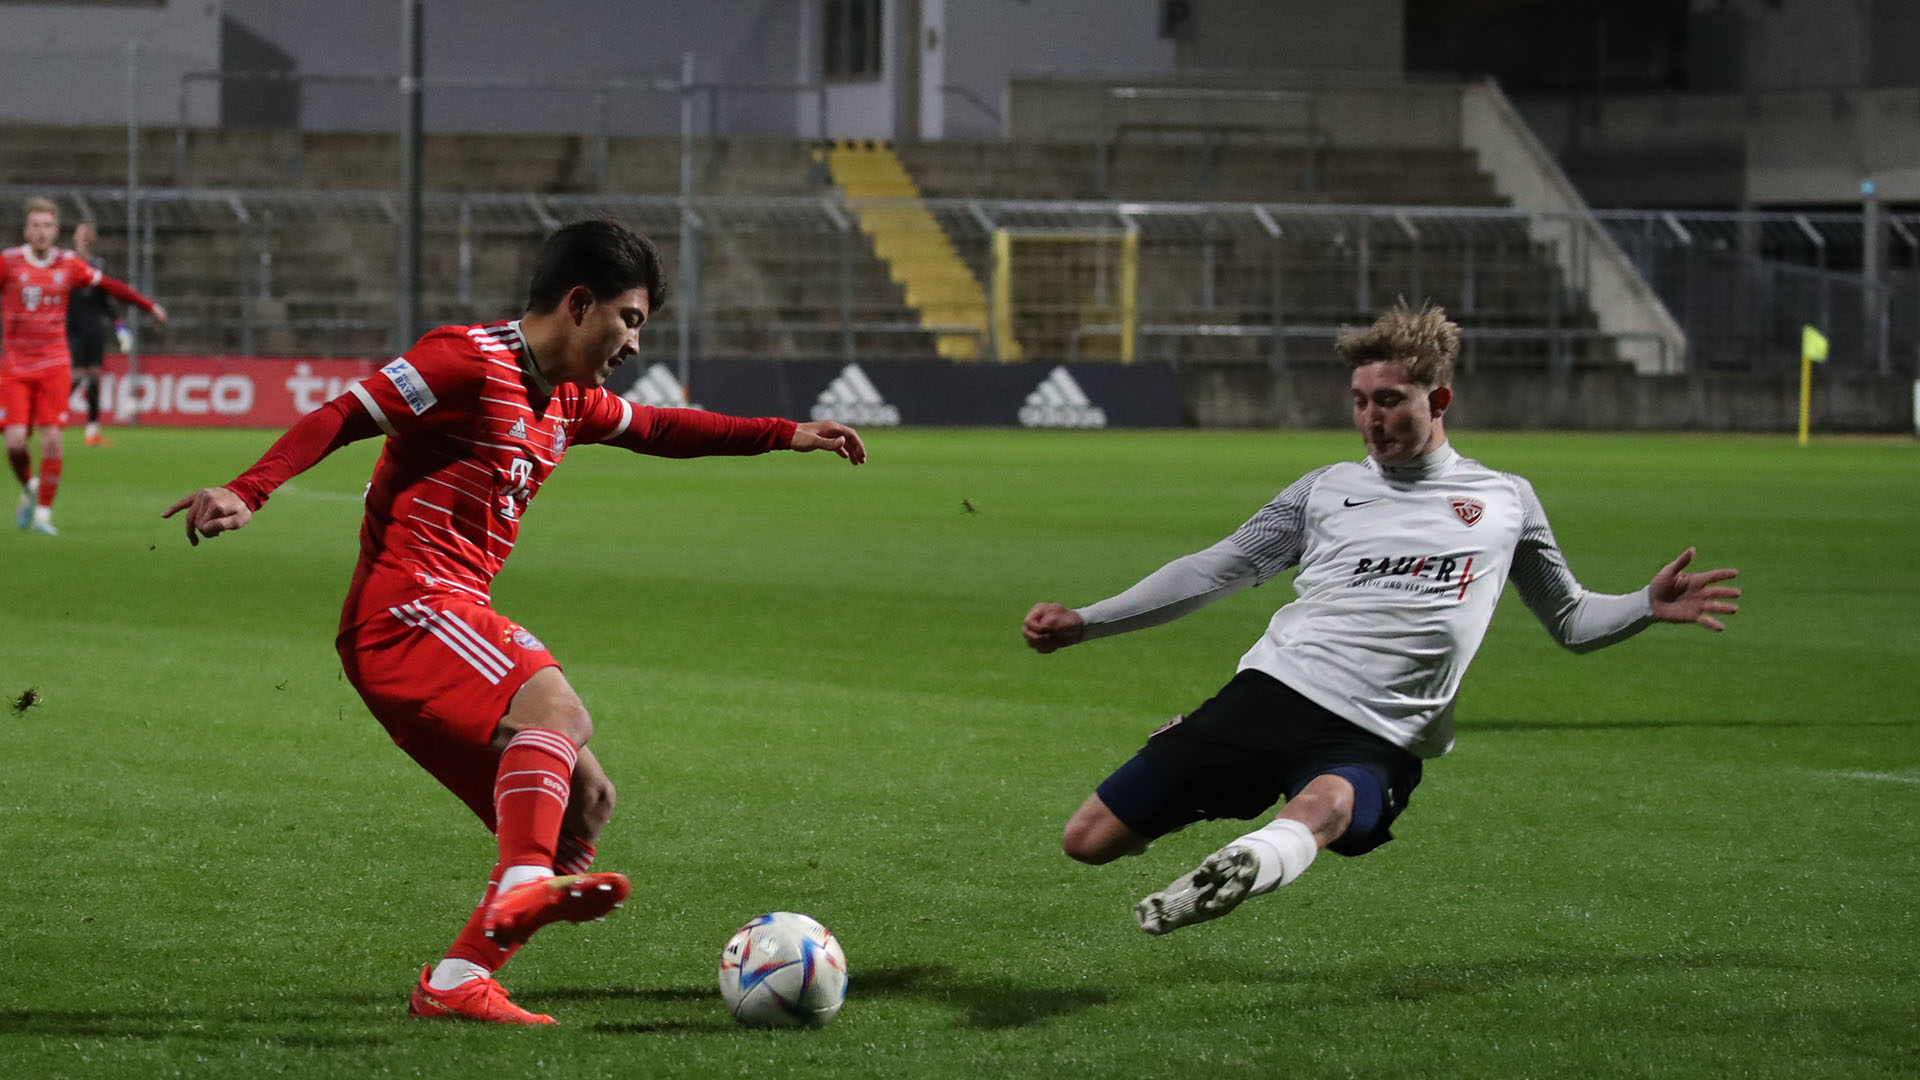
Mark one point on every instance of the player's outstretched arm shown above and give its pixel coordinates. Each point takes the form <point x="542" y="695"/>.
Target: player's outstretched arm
<point x="120" y="290"/>
<point x="1179" y="588"/>
<point x="1051" y="626"/>
<point x="210" y="512"/>
<point x="830" y="435"/>
<point x="1680" y="597"/>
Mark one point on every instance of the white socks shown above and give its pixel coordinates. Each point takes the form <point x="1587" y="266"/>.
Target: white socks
<point x="516" y="876"/>
<point x="1285" y="847"/>
<point x="449" y="974"/>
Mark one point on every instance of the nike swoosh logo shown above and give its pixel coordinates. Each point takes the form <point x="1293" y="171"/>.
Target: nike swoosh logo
<point x="1362" y="502"/>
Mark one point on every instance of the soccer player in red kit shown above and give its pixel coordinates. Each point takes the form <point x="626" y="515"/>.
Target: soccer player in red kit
<point x="36" y="371"/>
<point x="476" y="418"/>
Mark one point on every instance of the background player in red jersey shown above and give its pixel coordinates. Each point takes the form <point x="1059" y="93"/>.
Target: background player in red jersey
<point x="36" y="373"/>
<point x="476" y="419"/>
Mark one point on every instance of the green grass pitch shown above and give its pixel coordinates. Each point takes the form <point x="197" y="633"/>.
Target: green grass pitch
<point x="1689" y="855"/>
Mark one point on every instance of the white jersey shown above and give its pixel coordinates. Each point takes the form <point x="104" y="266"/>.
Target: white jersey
<point x="1400" y="570"/>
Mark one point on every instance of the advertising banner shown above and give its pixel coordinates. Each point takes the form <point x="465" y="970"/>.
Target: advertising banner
<point x="273" y="392"/>
<point x="220" y="391"/>
<point x="926" y="394"/>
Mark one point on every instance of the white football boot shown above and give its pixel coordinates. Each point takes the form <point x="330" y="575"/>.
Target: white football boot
<point x="1214" y="888"/>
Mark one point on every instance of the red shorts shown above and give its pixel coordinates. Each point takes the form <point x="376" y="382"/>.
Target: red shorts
<point x="36" y="399"/>
<point x="439" y="672"/>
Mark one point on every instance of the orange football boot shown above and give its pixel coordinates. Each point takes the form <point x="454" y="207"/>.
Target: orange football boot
<point x="515" y="914"/>
<point x="475" y="999"/>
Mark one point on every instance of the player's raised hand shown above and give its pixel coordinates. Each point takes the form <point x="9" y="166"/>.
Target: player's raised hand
<point x="1051" y="626"/>
<point x="159" y="314"/>
<point x="1692" y="598"/>
<point x="830" y="435"/>
<point x="210" y="512"/>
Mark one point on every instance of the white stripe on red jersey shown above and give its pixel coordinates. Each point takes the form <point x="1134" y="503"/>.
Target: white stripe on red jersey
<point x="449" y="416"/>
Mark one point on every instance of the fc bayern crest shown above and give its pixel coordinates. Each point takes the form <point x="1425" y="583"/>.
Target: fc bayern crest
<point x="1468" y="510"/>
<point x="559" y="439"/>
<point x="521" y="637"/>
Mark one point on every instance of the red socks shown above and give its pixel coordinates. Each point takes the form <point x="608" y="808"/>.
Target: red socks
<point x="575" y="857"/>
<point x="530" y="796"/>
<point x="49" y="479"/>
<point x="529" y="802"/>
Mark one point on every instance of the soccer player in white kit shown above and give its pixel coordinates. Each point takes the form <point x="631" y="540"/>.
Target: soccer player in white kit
<point x="1402" y="559"/>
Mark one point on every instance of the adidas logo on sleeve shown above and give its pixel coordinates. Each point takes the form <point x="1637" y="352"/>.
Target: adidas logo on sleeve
<point x="852" y="399"/>
<point x="1058" y="402"/>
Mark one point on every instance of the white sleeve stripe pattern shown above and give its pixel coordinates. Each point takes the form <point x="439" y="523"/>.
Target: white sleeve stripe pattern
<point x="1276" y="534"/>
<point x="1540" y="571"/>
<point x="379" y="417"/>
<point x="626" y="418"/>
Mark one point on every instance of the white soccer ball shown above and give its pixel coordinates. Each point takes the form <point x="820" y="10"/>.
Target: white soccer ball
<point x="783" y="970"/>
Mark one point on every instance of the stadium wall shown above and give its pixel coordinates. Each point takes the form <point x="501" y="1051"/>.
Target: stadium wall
<point x="67" y="64"/>
<point x="1241" y="397"/>
<point x="273" y="392"/>
<point x="1735" y="149"/>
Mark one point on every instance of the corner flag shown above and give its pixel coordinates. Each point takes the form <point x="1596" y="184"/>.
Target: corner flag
<point x="1813" y="345"/>
<point x="1813" y="350"/>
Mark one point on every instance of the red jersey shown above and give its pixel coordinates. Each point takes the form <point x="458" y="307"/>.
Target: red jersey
<point x="472" y="434"/>
<point x="33" y="305"/>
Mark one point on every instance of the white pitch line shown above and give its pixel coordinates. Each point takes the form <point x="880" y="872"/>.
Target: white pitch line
<point x="1895" y="778"/>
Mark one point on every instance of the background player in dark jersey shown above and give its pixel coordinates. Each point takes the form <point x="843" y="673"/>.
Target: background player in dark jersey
<point x="1402" y="557"/>
<point x="90" y="325"/>
<point x="476" y="419"/>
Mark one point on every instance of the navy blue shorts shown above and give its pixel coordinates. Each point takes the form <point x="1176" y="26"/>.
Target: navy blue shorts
<point x="1250" y="745"/>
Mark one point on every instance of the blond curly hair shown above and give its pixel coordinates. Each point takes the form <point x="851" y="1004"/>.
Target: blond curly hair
<point x="1425" y="340"/>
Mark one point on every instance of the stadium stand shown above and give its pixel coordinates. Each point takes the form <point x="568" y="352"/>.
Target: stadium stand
<point x="315" y="277"/>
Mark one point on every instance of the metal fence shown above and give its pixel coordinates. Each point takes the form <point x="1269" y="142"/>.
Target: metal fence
<point x="1742" y="284"/>
<point x="312" y="273"/>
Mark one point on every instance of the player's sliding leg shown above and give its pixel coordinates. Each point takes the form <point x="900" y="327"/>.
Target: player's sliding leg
<point x="1259" y="862"/>
<point x="532" y="795"/>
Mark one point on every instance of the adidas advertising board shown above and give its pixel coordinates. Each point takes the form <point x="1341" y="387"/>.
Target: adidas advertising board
<point x="660" y="388"/>
<point x="1059" y="402"/>
<point x="852" y="399"/>
<point x="921" y="393"/>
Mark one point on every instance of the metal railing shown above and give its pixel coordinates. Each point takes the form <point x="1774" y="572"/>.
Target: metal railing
<point x="311" y="272"/>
